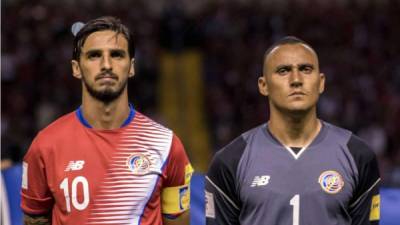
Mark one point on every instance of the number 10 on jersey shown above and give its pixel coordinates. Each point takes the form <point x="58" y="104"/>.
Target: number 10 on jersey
<point x="74" y="189"/>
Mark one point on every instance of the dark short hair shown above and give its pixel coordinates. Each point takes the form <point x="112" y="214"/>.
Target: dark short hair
<point x="100" y="24"/>
<point x="287" y="40"/>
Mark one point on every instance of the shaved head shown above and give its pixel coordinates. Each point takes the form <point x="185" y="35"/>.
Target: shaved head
<point x="288" y="40"/>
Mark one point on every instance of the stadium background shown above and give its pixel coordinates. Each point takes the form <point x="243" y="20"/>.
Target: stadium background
<point x="197" y="64"/>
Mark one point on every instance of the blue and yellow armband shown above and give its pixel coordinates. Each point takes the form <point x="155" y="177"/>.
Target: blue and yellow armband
<point x="175" y="200"/>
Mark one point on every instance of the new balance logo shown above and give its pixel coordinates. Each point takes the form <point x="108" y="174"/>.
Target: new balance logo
<point x="75" y="165"/>
<point x="260" y="181"/>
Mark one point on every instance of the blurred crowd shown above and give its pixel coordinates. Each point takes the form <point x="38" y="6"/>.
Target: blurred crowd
<point x="357" y="43"/>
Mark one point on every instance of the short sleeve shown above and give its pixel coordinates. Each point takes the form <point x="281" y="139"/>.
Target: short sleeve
<point x="36" y="197"/>
<point x="175" y="193"/>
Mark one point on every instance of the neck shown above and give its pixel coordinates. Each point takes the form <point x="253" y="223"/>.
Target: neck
<point x="105" y="115"/>
<point x="294" y="130"/>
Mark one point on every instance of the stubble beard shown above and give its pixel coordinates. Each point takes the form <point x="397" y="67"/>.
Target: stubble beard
<point x="106" y="95"/>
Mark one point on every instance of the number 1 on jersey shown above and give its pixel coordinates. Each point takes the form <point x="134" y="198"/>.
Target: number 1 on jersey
<point x="295" y="202"/>
<point x="77" y="205"/>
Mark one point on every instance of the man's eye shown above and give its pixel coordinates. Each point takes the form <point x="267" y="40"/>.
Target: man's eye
<point x="307" y="69"/>
<point x="283" y="71"/>
<point x="117" y="55"/>
<point x="94" y="55"/>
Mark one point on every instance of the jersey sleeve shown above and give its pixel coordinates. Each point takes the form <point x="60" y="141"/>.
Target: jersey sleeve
<point x="36" y="197"/>
<point x="365" y="205"/>
<point x="175" y="193"/>
<point x="221" y="195"/>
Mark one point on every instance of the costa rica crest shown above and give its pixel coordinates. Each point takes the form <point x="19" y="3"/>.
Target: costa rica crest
<point x="139" y="164"/>
<point x="331" y="182"/>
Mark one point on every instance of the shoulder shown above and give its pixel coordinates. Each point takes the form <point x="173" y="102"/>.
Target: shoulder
<point x="337" y="132"/>
<point x="232" y="152"/>
<point x="61" y="127"/>
<point x="47" y="137"/>
<point x="157" y="135"/>
<point x="358" y="148"/>
<point x="147" y="123"/>
<point x="230" y="155"/>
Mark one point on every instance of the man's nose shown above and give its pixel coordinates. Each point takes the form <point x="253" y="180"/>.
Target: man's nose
<point x="106" y="63"/>
<point x="296" y="78"/>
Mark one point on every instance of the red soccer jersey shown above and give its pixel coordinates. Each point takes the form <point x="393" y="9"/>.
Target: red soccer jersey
<point x="88" y="176"/>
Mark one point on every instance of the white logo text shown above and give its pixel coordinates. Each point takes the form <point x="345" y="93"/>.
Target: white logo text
<point x="260" y="181"/>
<point x="75" y="165"/>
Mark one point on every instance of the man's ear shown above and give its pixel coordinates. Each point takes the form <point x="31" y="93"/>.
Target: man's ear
<point x="132" y="68"/>
<point x="76" y="69"/>
<point x="262" y="85"/>
<point x="322" y="83"/>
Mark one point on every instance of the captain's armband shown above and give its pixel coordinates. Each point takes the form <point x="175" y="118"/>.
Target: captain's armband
<point x="175" y="200"/>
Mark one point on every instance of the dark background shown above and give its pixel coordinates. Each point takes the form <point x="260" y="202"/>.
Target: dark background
<point x="357" y="42"/>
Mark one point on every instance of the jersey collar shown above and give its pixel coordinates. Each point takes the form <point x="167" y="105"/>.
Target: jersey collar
<point x="85" y="123"/>
<point x="316" y="140"/>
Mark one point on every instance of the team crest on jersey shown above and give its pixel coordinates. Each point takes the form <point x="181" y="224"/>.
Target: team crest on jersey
<point x="331" y="181"/>
<point x="139" y="164"/>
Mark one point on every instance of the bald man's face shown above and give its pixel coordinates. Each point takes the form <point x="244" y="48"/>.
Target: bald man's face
<point x="291" y="78"/>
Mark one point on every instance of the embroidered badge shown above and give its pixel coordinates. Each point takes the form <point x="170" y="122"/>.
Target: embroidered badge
<point x="210" y="206"/>
<point x="139" y="164"/>
<point x="331" y="181"/>
<point x="374" y="213"/>
<point x="184" y="198"/>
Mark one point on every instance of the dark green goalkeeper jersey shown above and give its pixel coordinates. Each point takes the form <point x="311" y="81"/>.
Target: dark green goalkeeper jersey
<point x="255" y="180"/>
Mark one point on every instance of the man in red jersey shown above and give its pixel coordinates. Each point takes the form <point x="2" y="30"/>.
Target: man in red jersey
<point x="105" y="163"/>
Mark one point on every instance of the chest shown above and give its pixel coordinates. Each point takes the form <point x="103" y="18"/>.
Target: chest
<point x="100" y="172"/>
<point x="321" y="178"/>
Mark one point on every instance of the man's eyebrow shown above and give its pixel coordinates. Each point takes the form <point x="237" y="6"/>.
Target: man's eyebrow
<point x="92" y="51"/>
<point x="306" y="65"/>
<point x="119" y="50"/>
<point x="283" y="66"/>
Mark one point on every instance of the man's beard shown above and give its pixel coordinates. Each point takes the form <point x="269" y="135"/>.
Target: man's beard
<point x="107" y="95"/>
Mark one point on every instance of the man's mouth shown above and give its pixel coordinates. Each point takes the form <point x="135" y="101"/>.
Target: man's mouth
<point x="297" y="93"/>
<point x="107" y="77"/>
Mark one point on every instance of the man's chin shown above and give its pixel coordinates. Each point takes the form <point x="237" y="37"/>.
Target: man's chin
<point x="299" y="110"/>
<point x="105" y="91"/>
<point x="295" y="109"/>
<point x="105" y="95"/>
